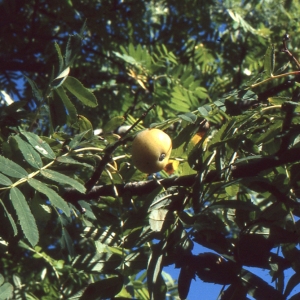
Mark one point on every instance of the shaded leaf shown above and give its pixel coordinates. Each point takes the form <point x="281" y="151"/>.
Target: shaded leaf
<point x="6" y="291"/>
<point x="189" y="117"/>
<point x="184" y="281"/>
<point x="12" y="169"/>
<point x="73" y="47"/>
<point x="78" y="90"/>
<point x="54" y="198"/>
<point x="258" y="288"/>
<point x="154" y="270"/>
<point x="11" y="220"/>
<point x="292" y="283"/>
<point x="5" y="180"/>
<point x="71" y="110"/>
<point x="235" y="205"/>
<point x="35" y="90"/>
<point x="57" y="110"/>
<point x="25" y="216"/>
<point x="68" y="241"/>
<point x="103" y="289"/>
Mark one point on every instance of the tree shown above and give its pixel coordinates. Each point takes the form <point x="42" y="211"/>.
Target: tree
<point x="78" y="221"/>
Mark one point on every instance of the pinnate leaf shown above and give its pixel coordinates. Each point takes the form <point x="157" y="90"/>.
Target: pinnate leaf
<point x="25" y="216"/>
<point x="5" y="180"/>
<point x="78" y="90"/>
<point x="61" y="178"/>
<point x="11" y="169"/>
<point x="54" y="198"/>
<point x="39" y="145"/>
<point x="30" y="155"/>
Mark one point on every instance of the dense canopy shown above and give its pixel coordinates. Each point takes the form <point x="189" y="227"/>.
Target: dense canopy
<point x="79" y="79"/>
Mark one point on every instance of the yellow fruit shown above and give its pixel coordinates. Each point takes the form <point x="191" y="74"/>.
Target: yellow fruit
<point x="151" y="150"/>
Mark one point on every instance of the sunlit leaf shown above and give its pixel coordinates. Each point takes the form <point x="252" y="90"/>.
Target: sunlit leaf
<point x="78" y="90"/>
<point x="85" y="126"/>
<point x="63" y="179"/>
<point x="269" y="61"/>
<point x="30" y="155"/>
<point x="39" y="145"/>
<point x="70" y="160"/>
<point x="59" y="80"/>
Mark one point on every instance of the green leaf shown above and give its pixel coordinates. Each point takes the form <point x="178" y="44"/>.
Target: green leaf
<point x="39" y="145"/>
<point x="157" y="218"/>
<point x="25" y="216"/>
<point x="6" y="291"/>
<point x="85" y="126"/>
<point x="78" y="90"/>
<point x="5" y="180"/>
<point x="71" y="110"/>
<point x="128" y="59"/>
<point x="204" y="110"/>
<point x="269" y="61"/>
<point x="154" y="271"/>
<point x="71" y="161"/>
<point x="11" y="169"/>
<point x="73" y="47"/>
<point x="57" y="111"/>
<point x="77" y="140"/>
<point x="60" y="57"/>
<point x="54" y="198"/>
<point x="240" y="205"/>
<point x="69" y="242"/>
<point x="189" y="117"/>
<point x="10" y="218"/>
<point x="63" y="179"/>
<point x="30" y="155"/>
<point x="36" y="92"/>
<point x="103" y="289"/>
<point x="59" y="80"/>
<point x="113" y="124"/>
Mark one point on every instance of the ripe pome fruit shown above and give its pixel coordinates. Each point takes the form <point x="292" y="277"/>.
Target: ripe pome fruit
<point x="151" y="150"/>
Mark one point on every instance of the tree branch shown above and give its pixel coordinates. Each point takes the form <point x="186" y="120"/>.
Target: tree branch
<point x="248" y="169"/>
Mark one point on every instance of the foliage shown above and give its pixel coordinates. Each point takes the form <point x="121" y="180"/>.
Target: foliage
<point x="78" y="220"/>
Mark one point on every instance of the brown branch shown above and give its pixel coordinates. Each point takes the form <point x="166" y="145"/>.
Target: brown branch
<point x="134" y="188"/>
<point x="253" y="168"/>
<point x="249" y="169"/>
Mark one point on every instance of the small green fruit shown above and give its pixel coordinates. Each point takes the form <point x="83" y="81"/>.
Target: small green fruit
<point x="151" y="150"/>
